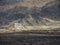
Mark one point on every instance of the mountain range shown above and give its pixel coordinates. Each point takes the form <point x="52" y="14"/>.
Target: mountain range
<point x="30" y="13"/>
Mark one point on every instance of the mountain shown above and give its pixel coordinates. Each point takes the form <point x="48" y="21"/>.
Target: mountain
<point x="30" y="13"/>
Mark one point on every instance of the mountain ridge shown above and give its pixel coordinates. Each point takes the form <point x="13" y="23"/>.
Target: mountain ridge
<point x="48" y="14"/>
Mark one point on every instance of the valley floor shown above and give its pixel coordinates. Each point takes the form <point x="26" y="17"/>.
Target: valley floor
<point x="30" y="38"/>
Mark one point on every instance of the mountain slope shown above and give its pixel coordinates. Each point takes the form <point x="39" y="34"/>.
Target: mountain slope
<point x="45" y="13"/>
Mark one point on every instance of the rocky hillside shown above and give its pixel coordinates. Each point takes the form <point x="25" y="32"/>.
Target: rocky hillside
<point x="30" y="12"/>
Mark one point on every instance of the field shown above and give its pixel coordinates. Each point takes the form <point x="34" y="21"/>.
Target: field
<point x="30" y="38"/>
